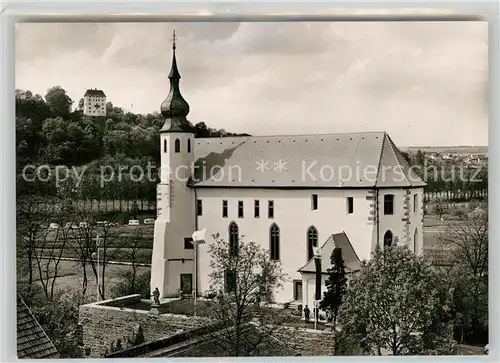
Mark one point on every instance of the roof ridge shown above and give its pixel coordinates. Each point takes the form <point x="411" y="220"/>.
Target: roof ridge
<point x="379" y="160"/>
<point x="391" y="144"/>
<point x="297" y="135"/>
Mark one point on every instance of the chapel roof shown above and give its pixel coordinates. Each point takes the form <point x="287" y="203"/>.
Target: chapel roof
<point x="32" y="341"/>
<point x="347" y="160"/>
<point x="95" y="93"/>
<point x="351" y="259"/>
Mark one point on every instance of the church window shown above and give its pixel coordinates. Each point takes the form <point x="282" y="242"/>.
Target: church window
<point x="224" y="209"/>
<point x="189" y="146"/>
<point x="312" y="241"/>
<point x="165" y="145"/>
<point x="233" y="239"/>
<point x="274" y="239"/>
<point x="388" y="239"/>
<point x="270" y="209"/>
<point x="415" y="202"/>
<point x="256" y="208"/>
<point x="199" y="207"/>
<point x="388" y="204"/>
<point x="240" y="209"/>
<point x="314" y="201"/>
<point x="415" y="241"/>
<point x="177" y="145"/>
<point x="350" y="205"/>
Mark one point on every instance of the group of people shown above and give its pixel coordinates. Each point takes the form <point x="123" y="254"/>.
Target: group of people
<point x="307" y="313"/>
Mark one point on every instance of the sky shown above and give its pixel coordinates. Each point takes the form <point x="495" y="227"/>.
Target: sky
<point x="425" y="83"/>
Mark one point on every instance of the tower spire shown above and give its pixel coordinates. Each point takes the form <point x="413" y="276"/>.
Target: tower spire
<point x="174" y="108"/>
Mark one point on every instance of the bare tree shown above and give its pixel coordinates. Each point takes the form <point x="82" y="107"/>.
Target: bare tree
<point x="469" y="239"/>
<point x="243" y="278"/>
<point x="132" y="281"/>
<point x="30" y="217"/>
<point x="49" y="249"/>
<point x="109" y="249"/>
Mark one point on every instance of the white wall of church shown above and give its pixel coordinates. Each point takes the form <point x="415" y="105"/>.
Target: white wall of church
<point x="294" y="215"/>
<point x="405" y="219"/>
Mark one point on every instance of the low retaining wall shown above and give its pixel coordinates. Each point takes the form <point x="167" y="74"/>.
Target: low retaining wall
<point x="105" y="326"/>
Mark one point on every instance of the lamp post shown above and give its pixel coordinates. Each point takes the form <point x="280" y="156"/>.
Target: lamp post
<point x="97" y="242"/>
<point x="198" y="238"/>
<point x="317" y="295"/>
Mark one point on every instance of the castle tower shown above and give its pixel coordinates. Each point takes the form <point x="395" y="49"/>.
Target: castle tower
<point x="172" y="266"/>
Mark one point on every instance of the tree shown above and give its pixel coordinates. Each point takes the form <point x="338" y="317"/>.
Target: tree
<point x="133" y="282"/>
<point x="58" y="101"/>
<point x="468" y="239"/>
<point x="243" y="283"/>
<point x="58" y="317"/>
<point x="30" y="216"/>
<point x="109" y="249"/>
<point x="50" y="247"/>
<point x="420" y="158"/>
<point x="81" y="104"/>
<point x="336" y="285"/>
<point x="392" y="303"/>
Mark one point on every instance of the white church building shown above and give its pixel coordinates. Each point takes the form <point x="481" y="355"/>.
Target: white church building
<point x="287" y="193"/>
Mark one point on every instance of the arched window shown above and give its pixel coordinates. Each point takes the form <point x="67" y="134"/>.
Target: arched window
<point x="189" y="145"/>
<point x="165" y="145"/>
<point x="274" y="241"/>
<point x="177" y="146"/>
<point x="312" y="241"/>
<point x="233" y="239"/>
<point x="415" y="241"/>
<point x="388" y="239"/>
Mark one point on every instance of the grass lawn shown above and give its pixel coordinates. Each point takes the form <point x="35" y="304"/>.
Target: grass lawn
<point x="70" y="275"/>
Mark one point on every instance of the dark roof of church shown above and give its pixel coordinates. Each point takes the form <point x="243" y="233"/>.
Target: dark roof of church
<point x="95" y="93"/>
<point x="32" y="341"/>
<point x="351" y="259"/>
<point x="356" y="160"/>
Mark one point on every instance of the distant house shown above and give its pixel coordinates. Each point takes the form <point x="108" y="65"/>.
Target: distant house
<point x="32" y="341"/>
<point x="94" y="103"/>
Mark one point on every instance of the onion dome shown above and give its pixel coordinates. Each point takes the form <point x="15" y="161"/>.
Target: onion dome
<point x="175" y="106"/>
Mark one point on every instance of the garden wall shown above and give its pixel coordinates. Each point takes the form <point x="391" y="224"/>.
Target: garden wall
<point x="103" y="325"/>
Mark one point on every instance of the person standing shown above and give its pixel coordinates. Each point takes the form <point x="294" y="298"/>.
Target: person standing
<point x="307" y="312"/>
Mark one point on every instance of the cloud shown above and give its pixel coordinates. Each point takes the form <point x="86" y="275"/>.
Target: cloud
<point x="416" y="80"/>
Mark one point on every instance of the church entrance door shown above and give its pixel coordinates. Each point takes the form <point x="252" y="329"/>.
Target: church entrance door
<point x="187" y="283"/>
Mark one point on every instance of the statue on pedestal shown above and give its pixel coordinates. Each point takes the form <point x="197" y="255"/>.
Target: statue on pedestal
<point x="156" y="296"/>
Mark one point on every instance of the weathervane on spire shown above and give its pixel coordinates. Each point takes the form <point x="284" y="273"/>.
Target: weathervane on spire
<point x="174" y="38"/>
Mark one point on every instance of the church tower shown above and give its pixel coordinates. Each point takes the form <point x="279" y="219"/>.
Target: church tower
<point x="172" y="266"/>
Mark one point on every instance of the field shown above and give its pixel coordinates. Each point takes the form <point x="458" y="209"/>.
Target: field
<point x="447" y="149"/>
<point x="71" y="273"/>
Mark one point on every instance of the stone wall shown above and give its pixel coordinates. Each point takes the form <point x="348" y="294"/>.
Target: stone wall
<point x="103" y="325"/>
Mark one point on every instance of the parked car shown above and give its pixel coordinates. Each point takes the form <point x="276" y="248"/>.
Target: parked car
<point x="70" y="225"/>
<point x="84" y="224"/>
<point x="133" y="222"/>
<point x="149" y="221"/>
<point x="52" y="226"/>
